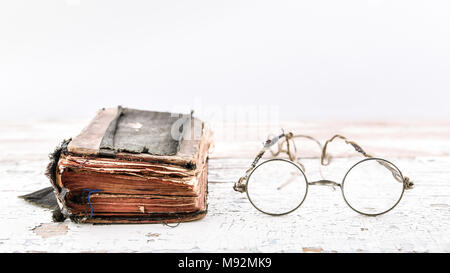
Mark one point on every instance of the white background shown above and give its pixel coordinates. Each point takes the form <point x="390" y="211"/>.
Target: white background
<point x="312" y="59"/>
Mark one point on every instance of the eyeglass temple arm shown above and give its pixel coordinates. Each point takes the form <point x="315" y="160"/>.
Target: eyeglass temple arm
<point x="293" y="153"/>
<point x="325" y="160"/>
<point x="240" y="186"/>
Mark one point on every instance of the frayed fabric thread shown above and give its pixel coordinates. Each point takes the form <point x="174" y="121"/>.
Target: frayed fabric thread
<point x="89" y="200"/>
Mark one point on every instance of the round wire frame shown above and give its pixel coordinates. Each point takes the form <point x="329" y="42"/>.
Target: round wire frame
<point x="284" y="213"/>
<point x="342" y="187"/>
<point x="364" y="160"/>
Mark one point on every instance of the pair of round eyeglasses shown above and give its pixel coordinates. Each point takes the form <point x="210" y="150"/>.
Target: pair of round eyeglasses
<point x="371" y="187"/>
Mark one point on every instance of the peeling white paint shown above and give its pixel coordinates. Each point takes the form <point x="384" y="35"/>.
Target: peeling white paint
<point x="324" y="223"/>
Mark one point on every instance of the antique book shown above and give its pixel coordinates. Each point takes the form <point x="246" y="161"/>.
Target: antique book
<point x="133" y="166"/>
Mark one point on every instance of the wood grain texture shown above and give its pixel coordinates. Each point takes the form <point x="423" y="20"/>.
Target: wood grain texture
<point x="324" y="223"/>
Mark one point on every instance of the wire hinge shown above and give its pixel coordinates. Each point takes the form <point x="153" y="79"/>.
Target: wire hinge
<point x="240" y="186"/>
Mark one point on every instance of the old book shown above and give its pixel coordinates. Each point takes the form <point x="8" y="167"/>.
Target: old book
<point x="133" y="166"/>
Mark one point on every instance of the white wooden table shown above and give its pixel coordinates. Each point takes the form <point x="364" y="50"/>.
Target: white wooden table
<point x="323" y="224"/>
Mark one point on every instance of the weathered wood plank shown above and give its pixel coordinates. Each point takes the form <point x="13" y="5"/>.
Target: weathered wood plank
<point x="323" y="224"/>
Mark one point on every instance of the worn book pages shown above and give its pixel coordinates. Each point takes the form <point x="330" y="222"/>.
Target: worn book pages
<point x="134" y="166"/>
